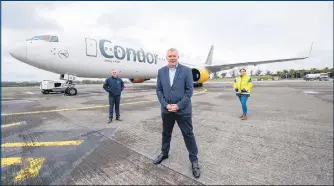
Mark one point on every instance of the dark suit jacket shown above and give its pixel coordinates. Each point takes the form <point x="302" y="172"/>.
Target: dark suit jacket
<point x="181" y="91"/>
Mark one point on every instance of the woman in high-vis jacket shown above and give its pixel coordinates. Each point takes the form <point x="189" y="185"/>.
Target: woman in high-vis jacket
<point x="243" y="86"/>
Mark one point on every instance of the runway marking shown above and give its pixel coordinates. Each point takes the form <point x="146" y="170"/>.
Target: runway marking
<point x="37" y="144"/>
<point x="30" y="166"/>
<point x="30" y="93"/>
<point x="71" y="109"/>
<point x="86" y="108"/>
<point x="5" y="99"/>
<point x="13" y="124"/>
<point x="310" y="92"/>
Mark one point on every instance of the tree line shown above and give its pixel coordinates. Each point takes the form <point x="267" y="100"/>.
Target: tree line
<point x="292" y="73"/>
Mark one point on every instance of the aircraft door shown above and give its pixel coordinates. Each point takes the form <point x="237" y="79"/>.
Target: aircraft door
<point x="91" y="47"/>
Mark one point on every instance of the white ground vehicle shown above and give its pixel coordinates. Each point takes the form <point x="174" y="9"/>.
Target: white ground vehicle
<point x="319" y="76"/>
<point x="65" y="85"/>
<point x="324" y="77"/>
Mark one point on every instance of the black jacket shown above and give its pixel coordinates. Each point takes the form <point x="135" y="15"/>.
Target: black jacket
<point x="114" y="86"/>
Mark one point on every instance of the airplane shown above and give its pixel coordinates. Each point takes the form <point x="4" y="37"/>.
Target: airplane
<point x="95" y="57"/>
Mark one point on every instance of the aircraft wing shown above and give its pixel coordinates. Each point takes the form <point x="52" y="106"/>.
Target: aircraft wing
<point x="216" y="68"/>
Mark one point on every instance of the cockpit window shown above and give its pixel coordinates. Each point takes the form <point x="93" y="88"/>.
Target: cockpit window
<point x="47" y="38"/>
<point x="54" y="39"/>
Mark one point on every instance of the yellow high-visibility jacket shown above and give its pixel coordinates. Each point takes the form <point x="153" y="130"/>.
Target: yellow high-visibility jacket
<point x="243" y="82"/>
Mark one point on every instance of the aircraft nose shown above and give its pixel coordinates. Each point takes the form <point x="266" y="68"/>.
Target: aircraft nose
<point x="19" y="51"/>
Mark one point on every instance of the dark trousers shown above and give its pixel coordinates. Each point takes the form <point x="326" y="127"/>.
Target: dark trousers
<point x="185" y="123"/>
<point x="114" y="101"/>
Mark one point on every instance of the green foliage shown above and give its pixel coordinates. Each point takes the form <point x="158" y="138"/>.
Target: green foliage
<point x="302" y="73"/>
<point x="291" y="73"/>
<point x="313" y="70"/>
<point x="215" y="75"/>
<point x="258" y="72"/>
<point x="262" y="77"/>
<point x="19" y="84"/>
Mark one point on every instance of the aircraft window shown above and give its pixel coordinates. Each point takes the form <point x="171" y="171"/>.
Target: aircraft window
<point x="45" y="38"/>
<point x="35" y="38"/>
<point x="54" y="39"/>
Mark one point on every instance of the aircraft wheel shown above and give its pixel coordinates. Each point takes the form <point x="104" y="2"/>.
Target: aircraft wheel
<point x="198" y="84"/>
<point x="45" y="91"/>
<point x="72" y="91"/>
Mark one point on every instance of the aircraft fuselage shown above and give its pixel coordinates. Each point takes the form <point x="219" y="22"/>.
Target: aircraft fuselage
<point x="93" y="58"/>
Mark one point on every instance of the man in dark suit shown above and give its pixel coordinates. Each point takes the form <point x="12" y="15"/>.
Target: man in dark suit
<point x="174" y="90"/>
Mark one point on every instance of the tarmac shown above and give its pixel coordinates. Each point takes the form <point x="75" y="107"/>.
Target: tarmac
<point x="56" y="139"/>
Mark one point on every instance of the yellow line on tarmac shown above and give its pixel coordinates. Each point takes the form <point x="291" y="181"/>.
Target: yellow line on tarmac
<point x="86" y="108"/>
<point x="30" y="166"/>
<point x="70" y="109"/>
<point x="10" y="161"/>
<point x="32" y="170"/>
<point x="37" y="144"/>
<point x="11" y="124"/>
<point x="202" y="91"/>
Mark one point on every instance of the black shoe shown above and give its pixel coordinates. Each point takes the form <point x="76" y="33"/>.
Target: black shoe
<point x="160" y="158"/>
<point x="118" y="119"/>
<point x="196" y="170"/>
<point x="110" y="120"/>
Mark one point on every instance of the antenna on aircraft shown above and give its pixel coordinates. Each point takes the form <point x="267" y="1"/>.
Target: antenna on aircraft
<point x="310" y="49"/>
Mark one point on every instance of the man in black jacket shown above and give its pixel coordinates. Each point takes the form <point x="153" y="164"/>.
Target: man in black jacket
<point x="114" y="86"/>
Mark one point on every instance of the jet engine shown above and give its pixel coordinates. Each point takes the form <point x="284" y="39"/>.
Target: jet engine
<point x="138" y="80"/>
<point x="200" y="76"/>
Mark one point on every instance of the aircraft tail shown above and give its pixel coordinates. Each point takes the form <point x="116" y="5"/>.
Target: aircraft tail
<point x="209" y="58"/>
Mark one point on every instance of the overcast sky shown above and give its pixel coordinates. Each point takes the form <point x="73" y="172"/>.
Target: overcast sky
<point x="240" y="31"/>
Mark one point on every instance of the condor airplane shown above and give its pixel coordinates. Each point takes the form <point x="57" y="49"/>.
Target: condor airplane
<point x="93" y="57"/>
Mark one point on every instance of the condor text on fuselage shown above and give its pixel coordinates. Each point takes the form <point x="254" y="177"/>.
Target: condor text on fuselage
<point x="118" y="52"/>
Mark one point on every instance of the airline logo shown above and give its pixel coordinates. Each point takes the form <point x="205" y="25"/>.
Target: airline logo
<point x="110" y="51"/>
<point x="63" y="54"/>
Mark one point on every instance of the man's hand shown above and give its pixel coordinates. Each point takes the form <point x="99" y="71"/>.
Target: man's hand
<point x="169" y="107"/>
<point x="173" y="108"/>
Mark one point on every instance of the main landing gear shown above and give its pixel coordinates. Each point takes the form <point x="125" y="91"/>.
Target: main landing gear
<point x="198" y="84"/>
<point x="70" y="89"/>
